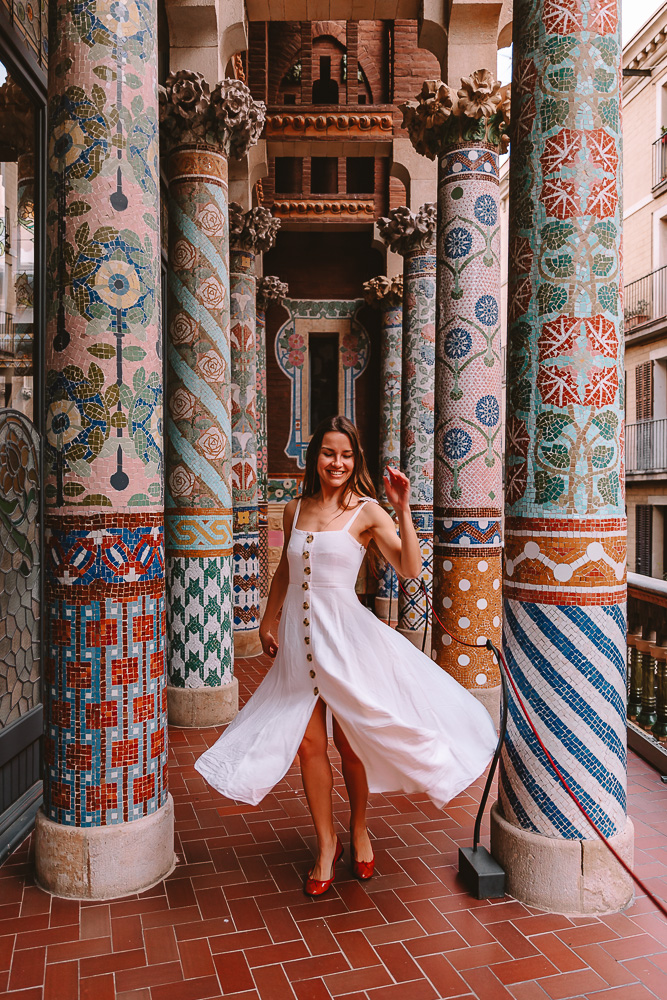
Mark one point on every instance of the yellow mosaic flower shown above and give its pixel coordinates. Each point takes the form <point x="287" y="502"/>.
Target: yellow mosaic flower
<point x="117" y="284"/>
<point x="63" y="422"/>
<point x="119" y="16"/>
<point x="66" y="144"/>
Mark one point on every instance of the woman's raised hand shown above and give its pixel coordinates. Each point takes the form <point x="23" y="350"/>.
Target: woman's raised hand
<point x="397" y="486"/>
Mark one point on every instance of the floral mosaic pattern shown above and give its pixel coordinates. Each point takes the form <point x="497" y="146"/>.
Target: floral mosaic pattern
<point x="564" y="476"/>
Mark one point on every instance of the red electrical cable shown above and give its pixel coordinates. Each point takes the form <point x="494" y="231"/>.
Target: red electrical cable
<point x="635" y="878"/>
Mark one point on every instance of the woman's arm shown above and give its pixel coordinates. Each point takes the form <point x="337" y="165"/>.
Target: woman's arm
<point x="402" y="550"/>
<point x="278" y="588"/>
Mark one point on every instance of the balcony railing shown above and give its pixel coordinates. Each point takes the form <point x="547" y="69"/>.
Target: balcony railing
<point x="647" y="668"/>
<point x="645" y="299"/>
<point x="646" y="446"/>
<point x="660" y="160"/>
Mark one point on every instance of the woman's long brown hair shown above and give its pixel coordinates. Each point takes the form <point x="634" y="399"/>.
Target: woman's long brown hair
<point x="359" y="484"/>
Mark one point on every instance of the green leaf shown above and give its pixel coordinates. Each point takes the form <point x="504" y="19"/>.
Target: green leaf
<point x="552" y="424"/>
<point x="112" y="395"/>
<point x="602" y="456"/>
<point x="551" y="298"/>
<point x="548" y="488"/>
<point x="99" y="500"/>
<point x="155" y="490"/>
<point x="606" y="232"/>
<point x="561" y="266"/>
<point x="102" y="351"/>
<point x="95" y="376"/>
<point x="82" y="235"/>
<point x="602" y="264"/>
<point x="139" y="500"/>
<point x="555" y="234"/>
<point x="105" y="234"/>
<point x="137" y="105"/>
<point x="607" y="424"/>
<point x="133" y="353"/>
<point x="151" y="221"/>
<point x="77" y="208"/>
<point x="104" y="73"/>
<point x="608" y="487"/>
<point x="608" y="296"/>
<point x="139" y="379"/>
<point x="73" y="489"/>
<point x="521" y="391"/>
<point x="132" y="80"/>
<point x="557" y="455"/>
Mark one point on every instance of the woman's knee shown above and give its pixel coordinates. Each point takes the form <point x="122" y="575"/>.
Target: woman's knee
<point x="346" y="752"/>
<point x="312" y="746"/>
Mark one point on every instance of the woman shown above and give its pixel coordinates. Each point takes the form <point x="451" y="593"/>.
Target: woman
<point x="399" y="721"/>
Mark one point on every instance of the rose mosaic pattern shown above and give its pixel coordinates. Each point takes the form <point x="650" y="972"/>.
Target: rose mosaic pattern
<point x="565" y="569"/>
<point x="20" y="567"/>
<point x="198" y="491"/>
<point x="104" y="685"/>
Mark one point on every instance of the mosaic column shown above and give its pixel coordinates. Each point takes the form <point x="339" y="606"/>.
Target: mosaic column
<point x="107" y="823"/>
<point x="413" y="236"/>
<point x="464" y="131"/>
<point x="564" y="583"/>
<point x="251" y="233"/>
<point x="200" y="128"/>
<point x="269" y="289"/>
<point x="386" y="294"/>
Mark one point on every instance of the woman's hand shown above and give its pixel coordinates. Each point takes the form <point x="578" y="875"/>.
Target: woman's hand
<point x="269" y="642"/>
<point x="397" y="486"/>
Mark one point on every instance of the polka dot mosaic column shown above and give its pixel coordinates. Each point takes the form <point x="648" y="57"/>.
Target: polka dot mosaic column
<point x="269" y="289"/>
<point x="251" y="233"/>
<point x="565" y="557"/>
<point x="468" y="464"/>
<point x="413" y="236"/>
<point x="387" y="295"/>
<point x="202" y="689"/>
<point x="106" y="828"/>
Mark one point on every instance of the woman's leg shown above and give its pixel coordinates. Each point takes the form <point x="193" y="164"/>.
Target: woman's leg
<point x="354" y="774"/>
<point x="318" y="786"/>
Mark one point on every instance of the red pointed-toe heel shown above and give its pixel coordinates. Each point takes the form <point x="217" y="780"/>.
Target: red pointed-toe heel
<point x="315" y="887"/>
<point x="362" y="870"/>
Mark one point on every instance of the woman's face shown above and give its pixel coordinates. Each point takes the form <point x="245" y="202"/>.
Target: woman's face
<point x="335" y="462"/>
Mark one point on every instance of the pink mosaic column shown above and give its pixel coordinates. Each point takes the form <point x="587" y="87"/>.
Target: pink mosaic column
<point x="251" y="233"/>
<point x="107" y="821"/>
<point x="269" y="289"/>
<point x="465" y="136"/>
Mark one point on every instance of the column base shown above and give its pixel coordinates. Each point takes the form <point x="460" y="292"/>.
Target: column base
<point x="199" y="708"/>
<point x="563" y="876"/>
<point x="104" y="862"/>
<point x="490" y="698"/>
<point x="417" y="638"/>
<point x="247" y="643"/>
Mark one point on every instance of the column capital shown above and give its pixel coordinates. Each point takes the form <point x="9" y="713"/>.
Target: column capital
<point x="403" y="230"/>
<point x="270" y="289"/>
<point x="442" y="117"/>
<point x="227" y="116"/>
<point x="254" y="230"/>
<point x="383" y="292"/>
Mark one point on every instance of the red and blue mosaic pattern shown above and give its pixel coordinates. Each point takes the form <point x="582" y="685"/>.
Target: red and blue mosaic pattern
<point x="262" y="452"/>
<point x="390" y="416"/>
<point x="564" y="630"/>
<point x="105" y="747"/>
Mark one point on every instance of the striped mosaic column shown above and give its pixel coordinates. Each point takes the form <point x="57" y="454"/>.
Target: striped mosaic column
<point x="106" y="828"/>
<point x="252" y="232"/>
<point x="269" y="289"/>
<point x="465" y="137"/>
<point x="413" y="236"/>
<point x="564" y="585"/>
<point x="386" y="294"/>
<point x="199" y="128"/>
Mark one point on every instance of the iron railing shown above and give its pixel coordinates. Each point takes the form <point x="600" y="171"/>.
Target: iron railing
<point x="647" y="668"/>
<point x="660" y="160"/>
<point x="645" y="300"/>
<point x="646" y="446"/>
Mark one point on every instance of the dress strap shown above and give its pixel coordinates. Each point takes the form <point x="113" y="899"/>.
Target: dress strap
<point x="296" y="513"/>
<point x="362" y="503"/>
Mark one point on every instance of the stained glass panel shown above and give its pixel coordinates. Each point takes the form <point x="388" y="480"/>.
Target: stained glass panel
<point x="30" y="19"/>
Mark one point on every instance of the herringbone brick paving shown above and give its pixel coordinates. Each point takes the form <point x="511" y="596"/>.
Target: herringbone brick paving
<point x="232" y="921"/>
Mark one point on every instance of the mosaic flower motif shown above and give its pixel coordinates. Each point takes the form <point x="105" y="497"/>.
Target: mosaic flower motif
<point x="457" y="343"/>
<point x="182" y="329"/>
<point x="296" y="341"/>
<point x="486" y="210"/>
<point x="68" y="143"/>
<point x="212" y="293"/>
<point x="81" y="134"/>
<point x="63" y="423"/>
<point x="486" y="310"/>
<point x="456" y="443"/>
<point x="15" y="465"/>
<point x="182" y="404"/>
<point x="210" y="219"/>
<point x="212" y="367"/>
<point x="121" y="17"/>
<point x="212" y="444"/>
<point x="117" y="284"/>
<point x="458" y="243"/>
<point x="428" y="401"/>
<point x="296" y="358"/>
<point x="105" y="21"/>
<point x="181" y="482"/>
<point x="487" y="411"/>
<point x="183" y="255"/>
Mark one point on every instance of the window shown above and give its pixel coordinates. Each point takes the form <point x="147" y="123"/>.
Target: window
<point x="289" y="175"/>
<point x="323" y="377"/>
<point x="360" y="175"/>
<point x="644" y="391"/>
<point x="643" y="538"/>
<point x="323" y="175"/>
<point x="289" y="98"/>
<point x="325" y="90"/>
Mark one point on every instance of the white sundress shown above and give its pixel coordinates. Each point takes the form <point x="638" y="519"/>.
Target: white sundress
<point x="412" y="725"/>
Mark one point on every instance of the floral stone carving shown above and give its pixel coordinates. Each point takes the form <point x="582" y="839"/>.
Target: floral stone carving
<point x="254" y="231"/>
<point x="442" y="117"/>
<point x="270" y="289"/>
<point x="383" y="292"/>
<point x="227" y="116"/>
<point x="403" y="230"/>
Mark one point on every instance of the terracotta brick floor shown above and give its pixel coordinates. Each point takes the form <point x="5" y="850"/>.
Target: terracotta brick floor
<point x="232" y="921"/>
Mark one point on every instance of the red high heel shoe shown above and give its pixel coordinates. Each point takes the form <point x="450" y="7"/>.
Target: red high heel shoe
<point x="361" y="869"/>
<point x="315" y="887"/>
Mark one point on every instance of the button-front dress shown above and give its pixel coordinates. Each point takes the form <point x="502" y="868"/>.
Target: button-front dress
<point x="412" y="725"/>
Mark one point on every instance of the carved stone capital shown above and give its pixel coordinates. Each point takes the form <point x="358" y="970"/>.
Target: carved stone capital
<point x="441" y="117"/>
<point x="254" y="230"/>
<point x="228" y="117"/>
<point x="16" y="118"/>
<point x="404" y="231"/>
<point x="270" y="289"/>
<point x="383" y="292"/>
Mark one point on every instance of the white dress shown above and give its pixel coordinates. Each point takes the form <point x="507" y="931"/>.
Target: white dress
<point x="412" y="725"/>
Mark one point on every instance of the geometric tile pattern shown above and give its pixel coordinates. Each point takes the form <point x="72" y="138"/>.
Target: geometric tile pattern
<point x="104" y="686"/>
<point x="231" y="919"/>
<point x="468" y="385"/>
<point x="565" y="559"/>
<point x="390" y="413"/>
<point x="199" y="504"/>
<point x="417" y="418"/>
<point x="245" y="429"/>
<point x="262" y="451"/>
